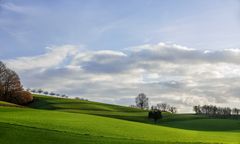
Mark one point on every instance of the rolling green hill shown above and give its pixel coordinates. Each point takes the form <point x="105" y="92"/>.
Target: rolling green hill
<point x="63" y="121"/>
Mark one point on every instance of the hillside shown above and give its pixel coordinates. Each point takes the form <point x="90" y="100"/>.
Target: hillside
<point x="88" y="107"/>
<point x="55" y="120"/>
<point x="183" y="121"/>
<point x="101" y="109"/>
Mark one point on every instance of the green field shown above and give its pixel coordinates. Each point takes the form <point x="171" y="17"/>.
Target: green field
<point x="65" y="121"/>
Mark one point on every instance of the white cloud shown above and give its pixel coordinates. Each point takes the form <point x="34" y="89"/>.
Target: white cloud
<point x="52" y="58"/>
<point x="169" y="73"/>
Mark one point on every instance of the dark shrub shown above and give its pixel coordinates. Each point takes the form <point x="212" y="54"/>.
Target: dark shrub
<point x="155" y="115"/>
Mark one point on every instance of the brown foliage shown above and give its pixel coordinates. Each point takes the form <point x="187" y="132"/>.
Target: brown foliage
<point x="10" y="87"/>
<point x="21" y="97"/>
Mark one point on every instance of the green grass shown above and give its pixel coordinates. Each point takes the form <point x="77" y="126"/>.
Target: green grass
<point x="3" y="103"/>
<point x="131" y="114"/>
<point x="66" y="121"/>
<point x="88" y="107"/>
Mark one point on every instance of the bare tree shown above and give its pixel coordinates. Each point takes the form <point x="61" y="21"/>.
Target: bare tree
<point x="142" y="101"/>
<point x="163" y="106"/>
<point x="9" y="82"/>
<point x="197" y="109"/>
<point x="172" y="109"/>
<point x="11" y="89"/>
<point x="235" y="111"/>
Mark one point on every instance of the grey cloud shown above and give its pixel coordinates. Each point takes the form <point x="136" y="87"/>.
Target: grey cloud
<point x="166" y="73"/>
<point x="178" y="54"/>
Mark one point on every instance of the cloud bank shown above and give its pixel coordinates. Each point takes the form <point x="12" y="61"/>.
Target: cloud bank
<point x="171" y="73"/>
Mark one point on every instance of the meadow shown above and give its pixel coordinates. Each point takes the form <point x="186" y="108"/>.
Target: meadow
<point x="55" y="120"/>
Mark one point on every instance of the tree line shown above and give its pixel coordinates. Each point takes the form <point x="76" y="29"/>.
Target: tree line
<point x="41" y="91"/>
<point x="11" y="89"/>
<point x="211" y="110"/>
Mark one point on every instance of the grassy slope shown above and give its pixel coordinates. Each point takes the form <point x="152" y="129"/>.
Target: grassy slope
<point x="70" y="124"/>
<point x="101" y="109"/>
<point x="183" y="121"/>
<point x="3" y="103"/>
<point x="87" y="107"/>
<point x="59" y="126"/>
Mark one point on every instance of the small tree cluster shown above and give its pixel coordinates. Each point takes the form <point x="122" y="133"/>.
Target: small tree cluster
<point x="164" y="107"/>
<point x="11" y="89"/>
<point x="212" y="110"/>
<point x="155" y="114"/>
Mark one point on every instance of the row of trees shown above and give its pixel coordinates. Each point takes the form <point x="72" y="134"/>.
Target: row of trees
<point x="212" y="110"/>
<point x="11" y="89"/>
<point x="142" y="102"/>
<point x="41" y="91"/>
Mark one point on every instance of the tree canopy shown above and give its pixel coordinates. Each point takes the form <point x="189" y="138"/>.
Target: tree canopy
<point x="11" y="89"/>
<point x="142" y="101"/>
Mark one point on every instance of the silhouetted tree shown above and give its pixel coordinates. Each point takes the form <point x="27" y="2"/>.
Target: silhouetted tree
<point x="172" y="109"/>
<point x="236" y="111"/>
<point x="142" y="101"/>
<point x="197" y="109"/>
<point x="52" y="93"/>
<point x="163" y="107"/>
<point x="33" y="91"/>
<point x="39" y="91"/>
<point x="46" y="92"/>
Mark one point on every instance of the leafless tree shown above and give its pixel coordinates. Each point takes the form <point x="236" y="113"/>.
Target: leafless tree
<point x="172" y="109"/>
<point x="10" y="86"/>
<point x="236" y="111"/>
<point x="9" y="82"/>
<point x="163" y="106"/>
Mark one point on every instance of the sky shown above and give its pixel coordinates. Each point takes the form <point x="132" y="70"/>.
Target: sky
<point x="180" y="52"/>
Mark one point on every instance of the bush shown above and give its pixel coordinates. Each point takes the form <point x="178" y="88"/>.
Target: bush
<point x="155" y="114"/>
<point x="21" y="97"/>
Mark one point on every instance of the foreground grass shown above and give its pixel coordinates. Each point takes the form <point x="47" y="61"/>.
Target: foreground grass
<point x="65" y="121"/>
<point x="3" y="103"/>
<point x="44" y="126"/>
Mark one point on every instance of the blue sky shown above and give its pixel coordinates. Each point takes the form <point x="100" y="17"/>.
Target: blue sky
<point x="181" y="52"/>
<point x="27" y="27"/>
